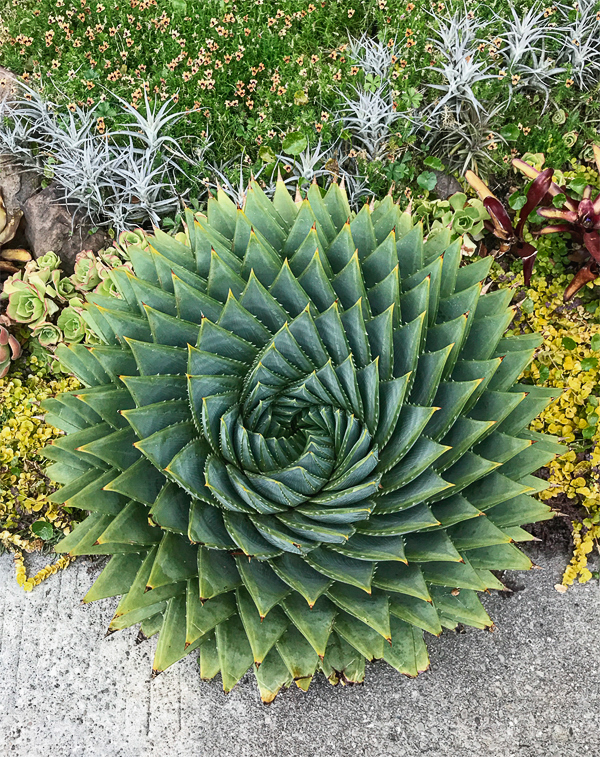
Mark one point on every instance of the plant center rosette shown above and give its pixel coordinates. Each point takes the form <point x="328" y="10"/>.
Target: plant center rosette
<point x="301" y="440"/>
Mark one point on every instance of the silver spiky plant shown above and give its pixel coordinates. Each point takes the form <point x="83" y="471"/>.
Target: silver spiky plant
<point x="368" y="112"/>
<point x="457" y="91"/>
<point x="309" y="164"/>
<point x="121" y="179"/>
<point x="373" y="56"/>
<point x="581" y="43"/>
<point x="369" y="115"/>
<point x="455" y="38"/>
<point x="15" y="137"/>
<point x="525" y="40"/>
<point x="236" y="188"/>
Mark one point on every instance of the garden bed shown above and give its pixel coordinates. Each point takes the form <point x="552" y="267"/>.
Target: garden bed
<point x="318" y="93"/>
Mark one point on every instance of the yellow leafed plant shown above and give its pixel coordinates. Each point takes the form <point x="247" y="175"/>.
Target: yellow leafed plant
<point x="25" y="512"/>
<point x="569" y="360"/>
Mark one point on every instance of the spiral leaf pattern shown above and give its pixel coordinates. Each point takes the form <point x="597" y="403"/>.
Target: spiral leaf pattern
<point x="300" y="440"/>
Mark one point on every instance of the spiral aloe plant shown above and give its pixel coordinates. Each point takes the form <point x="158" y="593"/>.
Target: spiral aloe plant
<point x="301" y="440"/>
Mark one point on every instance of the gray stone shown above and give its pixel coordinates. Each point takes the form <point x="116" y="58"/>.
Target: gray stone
<point x="47" y="223"/>
<point x="67" y="690"/>
<point x="7" y="83"/>
<point x="17" y="183"/>
<point x="446" y="185"/>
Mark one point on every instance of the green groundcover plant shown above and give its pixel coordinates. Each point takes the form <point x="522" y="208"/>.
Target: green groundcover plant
<point x="300" y="440"/>
<point x="389" y="80"/>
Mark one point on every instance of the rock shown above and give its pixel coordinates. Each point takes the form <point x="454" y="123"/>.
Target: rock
<point x="446" y="185"/>
<point x="17" y="182"/>
<point x="49" y="225"/>
<point x="7" y="83"/>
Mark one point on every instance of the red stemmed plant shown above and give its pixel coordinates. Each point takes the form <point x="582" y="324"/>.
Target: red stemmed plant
<point x="580" y="218"/>
<point x="500" y="223"/>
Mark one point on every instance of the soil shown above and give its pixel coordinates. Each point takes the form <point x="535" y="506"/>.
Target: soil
<point x="555" y="538"/>
<point x="556" y="534"/>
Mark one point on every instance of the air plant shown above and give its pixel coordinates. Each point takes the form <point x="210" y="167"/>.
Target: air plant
<point x="83" y="175"/>
<point x="455" y="38"/>
<point x="374" y="57"/>
<point x="580" y="218"/>
<point x="457" y="90"/>
<point x="310" y="164"/>
<point x="456" y="44"/>
<point x="500" y="224"/>
<point x="581" y="44"/>
<point x="122" y="179"/>
<point x="141" y="187"/>
<point x="370" y="112"/>
<point x="357" y="190"/>
<point x="150" y="128"/>
<point x="369" y="117"/>
<point x="525" y="39"/>
<point x="235" y="192"/>
<point x="464" y="143"/>
<point x="15" y="137"/>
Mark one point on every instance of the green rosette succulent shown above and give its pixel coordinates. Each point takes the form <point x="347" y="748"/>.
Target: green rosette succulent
<point x="301" y="440"/>
<point x="86" y="275"/>
<point x="107" y="287"/>
<point x="27" y="302"/>
<point x="10" y="350"/>
<point x="49" y="261"/>
<point x="61" y="288"/>
<point x="136" y="237"/>
<point x="72" y="324"/>
<point x="47" y="334"/>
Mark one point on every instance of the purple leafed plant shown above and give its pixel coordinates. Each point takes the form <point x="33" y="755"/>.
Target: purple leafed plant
<point x="500" y="223"/>
<point x="10" y="349"/>
<point x="580" y="218"/>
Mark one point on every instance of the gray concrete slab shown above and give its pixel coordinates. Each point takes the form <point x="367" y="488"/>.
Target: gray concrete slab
<point x="530" y="688"/>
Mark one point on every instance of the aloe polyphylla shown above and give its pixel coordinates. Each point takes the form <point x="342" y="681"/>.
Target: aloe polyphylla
<point x="301" y="440"/>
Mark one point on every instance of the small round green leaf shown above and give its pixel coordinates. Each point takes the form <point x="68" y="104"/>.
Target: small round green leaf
<point x="266" y="154"/>
<point x="510" y="132"/>
<point x="42" y="529"/>
<point x="427" y="180"/>
<point x="527" y="305"/>
<point x="294" y="143"/>
<point x="434" y="163"/>
<point x="517" y="200"/>
<point x="595" y="343"/>
<point x="568" y="343"/>
<point x="578" y="184"/>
